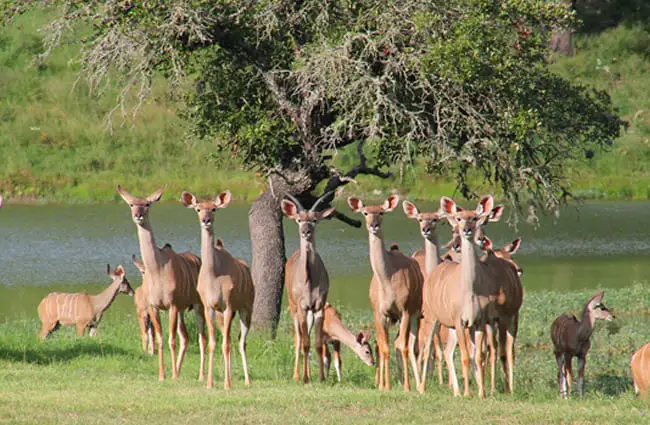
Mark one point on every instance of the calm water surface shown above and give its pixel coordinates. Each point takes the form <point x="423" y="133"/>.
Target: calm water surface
<point x="64" y="247"/>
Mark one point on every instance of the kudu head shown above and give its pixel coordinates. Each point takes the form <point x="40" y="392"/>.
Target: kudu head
<point x="454" y="242"/>
<point x="597" y="309"/>
<point x="504" y="253"/>
<point x="139" y="206"/>
<point x="426" y="220"/>
<point x="206" y="209"/>
<point x="306" y="219"/>
<point x="373" y="214"/>
<point x="119" y="275"/>
<point x="365" y="354"/>
<point x="467" y="222"/>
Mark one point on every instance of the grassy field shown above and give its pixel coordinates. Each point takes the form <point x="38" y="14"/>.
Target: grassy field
<point x="54" y="145"/>
<point x="107" y="380"/>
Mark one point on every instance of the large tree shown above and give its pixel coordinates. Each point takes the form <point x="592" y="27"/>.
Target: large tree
<point x="284" y="85"/>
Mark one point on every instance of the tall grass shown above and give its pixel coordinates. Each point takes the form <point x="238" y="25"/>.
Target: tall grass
<point x="108" y="380"/>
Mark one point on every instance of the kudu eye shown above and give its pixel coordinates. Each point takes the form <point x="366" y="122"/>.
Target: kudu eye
<point x="214" y="210"/>
<point x="198" y="210"/>
<point x="365" y="213"/>
<point x="131" y="205"/>
<point x="381" y="213"/>
<point x="148" y="204"/>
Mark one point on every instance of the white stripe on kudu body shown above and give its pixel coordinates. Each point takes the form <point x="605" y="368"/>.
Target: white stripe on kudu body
<point x="81" y="309"/>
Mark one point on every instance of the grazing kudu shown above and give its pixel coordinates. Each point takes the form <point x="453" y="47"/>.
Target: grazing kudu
<point x="225" y="286"/>
<point x="460" y="295"/>
<point x="395" y="293"/>
<point x="640" y="365"/>
<point x="307" y="284"/>
<point x="571" y="337"/>
<point x="171" y="283"/>
<point x="335" y="333"/>
<point x="428" y="259"/>
<point x="81" y="309"/>
<point x="142" y="312"/>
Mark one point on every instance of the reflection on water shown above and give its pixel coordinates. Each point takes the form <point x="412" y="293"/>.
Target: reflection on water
<point x="67" y="247"/>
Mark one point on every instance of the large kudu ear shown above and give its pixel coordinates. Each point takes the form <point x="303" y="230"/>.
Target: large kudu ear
<point x="138" y="263"/>
<point x="155" y="197"/>
<point x="485" y="206"/>
<point x="289" y="209"/>
<point x="449" y="208"/>
<point x="410" y="209"/>
<point x="108" y="269"/>
<point x="390" y="203"/>
<point x="326" y="213"/>
<point x="597" y="299"/>
<point x="188" y="200"/>
<point x="513" y="246"/>
<point x="124" y="194"/>
<point x="355" y="204"/>
<point x="119" y="271"/>
<point x="223" y="199"/>
<point x="496" y="213"/>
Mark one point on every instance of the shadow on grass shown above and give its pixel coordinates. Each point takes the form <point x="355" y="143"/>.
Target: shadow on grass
<point x="611" y="385"/>
<point x="46" y="355"/>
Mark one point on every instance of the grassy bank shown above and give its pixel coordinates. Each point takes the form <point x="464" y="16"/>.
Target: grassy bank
<point x="54" y="145"/>
<point x="108" y="380"/>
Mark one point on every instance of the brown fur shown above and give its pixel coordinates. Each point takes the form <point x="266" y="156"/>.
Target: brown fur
<point x="395" y="294"/>
<point x="336" y="333"/>
<point x="307" y="284"/>
<point x="225" y="286"/>
<point x="81" y="309"/>
<point x="640" y="365"/>
<point x="170" y="283"/>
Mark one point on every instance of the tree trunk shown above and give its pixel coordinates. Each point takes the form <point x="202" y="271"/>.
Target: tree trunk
<point x="562" y="42"/>
<point x="267" y="269"/>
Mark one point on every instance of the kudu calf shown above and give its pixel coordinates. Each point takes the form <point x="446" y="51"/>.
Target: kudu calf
<point x="170" y="285"/>
<point x="307" y="284"/>
<point x="571" y="338"/>
<point x="80" y="309"/>
<point x="335" y="333"/>
<point x="225" y="286"/>
<point x="395" y="293"/>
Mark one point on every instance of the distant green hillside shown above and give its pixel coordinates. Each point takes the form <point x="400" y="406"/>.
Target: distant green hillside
<point x="54" y="144"/>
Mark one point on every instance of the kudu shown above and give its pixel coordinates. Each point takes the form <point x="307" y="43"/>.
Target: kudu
<point x="225" y="286"/>
<point x="335" y="333"/>
<point x="571" y="338"/>
<point x="81" y="309"/>
<point x="171" y="283"/>
<point x="307" y="284"/>
<point x="640" y="365"/>
<point x="461" y="295"/>
<point x="395" y="293"/>
<point x="141" y="301"/>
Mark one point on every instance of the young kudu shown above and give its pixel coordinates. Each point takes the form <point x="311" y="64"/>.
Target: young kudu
<point x="171" y="283"/>
<point x="80" y="309"/>
<point x="225" y="286"/>
<point x="307" y="284"/>
<point x="335" y="333"/>
<point x="459" y="295"/>
<point x="571" y="337"/>
<point x="395" y="293"/>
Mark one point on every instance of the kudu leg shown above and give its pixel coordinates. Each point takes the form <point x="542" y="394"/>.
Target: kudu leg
<point x="225" y="346"/>
<point x="338" y="363"/>
<point x="401" y="344"/>
<point x="154" y="315"/>
<point x="318" y="342"/>
<point x="479" y="335"/>
<point x="381" y="333"/>
<point x="510" y="356"/>
<point x="182" y="333"/>
<point x="561" y="374"/>
<point x="212" y="343"/>
<point x="142" y="322"/>
<point x="414" y="329"/>
<point x="452" y="341"/>
<point x="327" y="360"/>
<point x="582" y="361"/>
<point x="437" y="348"/>
<point x="464" y="355"/>
<point x="426" y="355"/>
<point x="298" y="346"/>
<point x="304" y="331"/>
<point x="200" y="325"/>
<point x="173" y="321"/>
<point x="490" y="334"/>
<point x="245" y="324"/>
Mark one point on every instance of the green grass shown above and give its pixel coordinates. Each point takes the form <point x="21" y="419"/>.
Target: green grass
<point x="54" y="145"/>
<point x="107" y="380"/>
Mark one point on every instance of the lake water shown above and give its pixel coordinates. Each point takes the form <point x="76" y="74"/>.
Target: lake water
<point x="67" y="247"/>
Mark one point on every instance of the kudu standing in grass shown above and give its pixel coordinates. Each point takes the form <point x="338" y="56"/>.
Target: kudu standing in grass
<point x="141" y="301"/>
<point x="80" y="309"/>
<point x="395" y="293"/>
<point x="225" y="286"/>
<point x="640" y="365"/>
<point x="307" y="284"/>
<point x="461" y="295"/>
<point x="335" y="333"/>
<point x="571" y="338"/>
<point x="428" y="259"/>
<point x="171" y="283"/>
